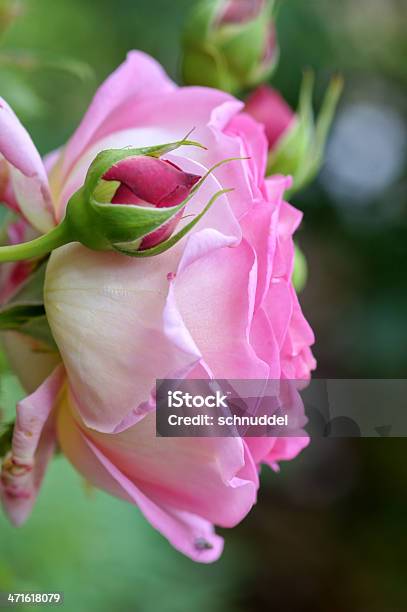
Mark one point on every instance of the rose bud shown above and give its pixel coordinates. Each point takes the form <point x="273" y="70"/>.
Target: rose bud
<point x="131" y="202"/>
<point x="296" y="141"/>
<point x="230" y="44"/>
<point x="268" y="107"/>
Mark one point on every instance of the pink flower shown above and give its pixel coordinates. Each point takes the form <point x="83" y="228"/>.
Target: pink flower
<point x="218" y="304"/>
<point x="268" y="107"/>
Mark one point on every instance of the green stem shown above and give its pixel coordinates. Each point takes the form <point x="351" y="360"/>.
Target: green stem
<point x="37" y="247"/>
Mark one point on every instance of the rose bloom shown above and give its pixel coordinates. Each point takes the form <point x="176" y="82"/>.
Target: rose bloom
<point x="219" y="304"/>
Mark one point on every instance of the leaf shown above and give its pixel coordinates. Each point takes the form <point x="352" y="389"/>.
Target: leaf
<point x="25" y="312"/>
<point x="14" y="316"/>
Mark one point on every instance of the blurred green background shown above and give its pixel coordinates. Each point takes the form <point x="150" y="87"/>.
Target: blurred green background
<point x="329" y="532"/>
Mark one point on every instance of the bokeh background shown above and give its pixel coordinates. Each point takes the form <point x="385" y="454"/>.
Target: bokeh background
<point x="329" y="532"/>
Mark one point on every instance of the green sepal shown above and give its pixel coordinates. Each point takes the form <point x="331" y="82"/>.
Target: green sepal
<point x="200" y="21"/>
<point x="170" y="242"/>
<point x="14" y="316"/>
<point x="243" y="47"/>
<point x="108" y="158"/>
<point x="300" y="151"/>
<point x="99" y="226"/>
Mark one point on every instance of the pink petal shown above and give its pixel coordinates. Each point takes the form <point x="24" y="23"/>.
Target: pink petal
<point x="176" y="483"/>
<point x="264" y="342"/>
<point x="278" y="305"/>
<point x="156" y="181"/>
<point x="32" y="447"/>
<point x="138" y="77"/>
<point x="253" y="140"/>
<point x="202" y="476"/>
<point x="30" y="359"/>
<point x="259" y="227"/>
<point x="116" y="329"/>
<point x="14" y="274"/>
<point x="285" y="449"/>
<point x="297" y="358"/>
<point x="152" y="120"/>
<point x="28" y="176"/>
<point x="215" y="293"/>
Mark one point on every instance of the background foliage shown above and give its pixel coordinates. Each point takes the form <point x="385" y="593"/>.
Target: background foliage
<point x="329" y="530"/>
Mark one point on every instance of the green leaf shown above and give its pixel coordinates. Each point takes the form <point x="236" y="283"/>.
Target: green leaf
<point x="25" y="312"/>
<point x="14" y="316"/>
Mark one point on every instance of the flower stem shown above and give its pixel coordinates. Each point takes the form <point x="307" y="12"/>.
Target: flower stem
<point x="37" y="247"/>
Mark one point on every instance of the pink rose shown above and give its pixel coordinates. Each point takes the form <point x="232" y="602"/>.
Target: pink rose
<point x="218" y="304"/>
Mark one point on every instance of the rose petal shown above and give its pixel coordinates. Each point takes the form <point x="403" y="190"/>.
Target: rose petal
<point x="28" y="176"/>
<point x="175" y="483"/>
<point x="115" y="329"/>
<point x="32" y="447"/>
<point x="215" y="293"/>
<point x="138" y="77"/>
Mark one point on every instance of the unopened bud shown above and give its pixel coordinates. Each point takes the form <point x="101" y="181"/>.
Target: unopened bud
<point x="296" y="141"/>
<point x="230" y="44"/>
